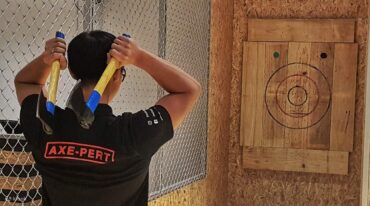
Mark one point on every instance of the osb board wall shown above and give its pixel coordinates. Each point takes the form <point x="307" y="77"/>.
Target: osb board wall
<point x="213" y="189"/>
<point x="261" y="187"/>
<point x="193" y="194"/>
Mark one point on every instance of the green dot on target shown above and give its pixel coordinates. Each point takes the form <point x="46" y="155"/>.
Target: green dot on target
<point x="276" y="55"/>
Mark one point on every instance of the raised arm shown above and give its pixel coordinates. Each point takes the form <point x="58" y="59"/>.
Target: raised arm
<point x="32" y="78"/>
<point x="183" y="89"/>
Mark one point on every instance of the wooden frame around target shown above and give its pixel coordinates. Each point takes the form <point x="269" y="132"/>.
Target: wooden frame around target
<point x="298" y="95"/>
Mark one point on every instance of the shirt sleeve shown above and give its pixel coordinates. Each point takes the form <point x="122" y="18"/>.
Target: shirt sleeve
<point x="31" y="126"/>
<point x="149" y="130"/>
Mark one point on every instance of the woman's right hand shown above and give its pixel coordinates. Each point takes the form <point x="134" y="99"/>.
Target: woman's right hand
<point x="55" y="49"/>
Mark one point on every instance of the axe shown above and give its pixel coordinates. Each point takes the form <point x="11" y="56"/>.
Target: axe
<point x="85" y="112"/>
<point x="46" y="107"/>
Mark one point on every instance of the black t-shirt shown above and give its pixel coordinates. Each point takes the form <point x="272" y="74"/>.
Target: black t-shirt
<point x="105" y="165"/>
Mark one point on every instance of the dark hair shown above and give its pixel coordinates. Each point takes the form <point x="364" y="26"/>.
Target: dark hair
<point x="87" y="55"/>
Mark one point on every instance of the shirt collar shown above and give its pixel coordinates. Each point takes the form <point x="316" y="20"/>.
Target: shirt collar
<point x="103" y="109"/>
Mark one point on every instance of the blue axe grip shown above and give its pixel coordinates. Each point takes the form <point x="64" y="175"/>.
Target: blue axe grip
<point x="59" y="34"/>
<point x="93" y="101"/>
<point x="50" y="107"/>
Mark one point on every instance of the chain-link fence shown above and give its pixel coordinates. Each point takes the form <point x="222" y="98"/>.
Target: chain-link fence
<point x="177" y="30"/>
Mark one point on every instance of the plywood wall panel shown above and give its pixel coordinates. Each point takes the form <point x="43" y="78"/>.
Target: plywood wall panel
<point x="296" y="138"/>
<point x="193" y="194"/>
<point x="288" y="94"/>
<point x="33" y="203"/>
<point x="299" y="160"/>
<point x="301" y="30"/>
<point x="20" y="183"/>
<point x="252" y="100"/>
<point x="262" y="187"/>
<point x="276" y="57"/>
<point x="317" y="136"/>
<point x="344" y="85"/>
<point x="20" y="158"/>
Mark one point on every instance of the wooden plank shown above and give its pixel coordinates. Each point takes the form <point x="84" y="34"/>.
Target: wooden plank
<point x="321" y="57"/>
<point x="33" y="203"/>
<point x="276" y="57"/>
<point x="343" y="98"/>
<point x="301" y="30"/>
<point x="249" y="93"/>
<point x="16" y="158"/>
<point x="295" y="137"/>
<point x="18" y="183"/>
<point x="338" y="162"/>
<point x="261" y="67"/>
<point x="300" y="160"/>
<point x="219" y="104"/>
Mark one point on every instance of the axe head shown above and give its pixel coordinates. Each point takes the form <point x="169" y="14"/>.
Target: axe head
<point x="83" y="112"/>
<point x="77" y="104"/>
<point x="43" y="115"/>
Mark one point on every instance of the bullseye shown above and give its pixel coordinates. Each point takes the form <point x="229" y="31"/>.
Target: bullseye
<point x="297" y="95"/>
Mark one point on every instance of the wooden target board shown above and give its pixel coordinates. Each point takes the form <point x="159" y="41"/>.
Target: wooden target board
<point x="298" y="95"/>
